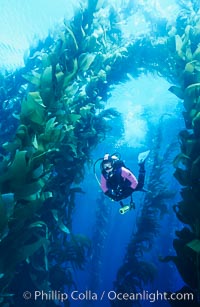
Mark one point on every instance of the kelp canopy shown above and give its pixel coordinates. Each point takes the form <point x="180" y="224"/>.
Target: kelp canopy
<point x="57" y="106"/>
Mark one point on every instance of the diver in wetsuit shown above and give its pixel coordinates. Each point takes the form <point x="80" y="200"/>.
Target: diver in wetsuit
<point x="118" y="182"/>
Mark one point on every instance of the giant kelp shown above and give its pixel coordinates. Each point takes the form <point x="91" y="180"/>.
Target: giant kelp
<point x="59" y="108"/>
<point x="136" y="271"/>
<point x="98" y="239"/>
<point x="61" y="119"/>
<point x="181" y="66"/>
<point x="186" y="163"/>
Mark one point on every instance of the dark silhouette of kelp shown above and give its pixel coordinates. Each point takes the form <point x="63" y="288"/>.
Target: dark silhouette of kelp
<point x="98" y="243"/>
<point x="136" y="271"/>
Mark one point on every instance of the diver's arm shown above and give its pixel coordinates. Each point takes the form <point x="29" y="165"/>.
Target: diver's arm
<point x="107" y="192"/>
<point x="104" y="184"/>
<point x="129" y="187"/>
<point x="111" y="194"/>
<point x="127" y="174"/>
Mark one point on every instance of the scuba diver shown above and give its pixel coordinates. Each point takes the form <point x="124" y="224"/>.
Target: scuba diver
<point x="118" y="182"/>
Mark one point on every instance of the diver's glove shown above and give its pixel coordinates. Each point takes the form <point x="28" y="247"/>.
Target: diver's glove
<point x="111" y="193"/>
<point x="121" y="194"/>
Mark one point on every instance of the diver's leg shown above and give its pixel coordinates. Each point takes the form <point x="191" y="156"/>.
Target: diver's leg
<point x="141" y="162"/>
<point x="121" y="204"/>
<point x="141" y="177"/>
<point x="132" y="204"/>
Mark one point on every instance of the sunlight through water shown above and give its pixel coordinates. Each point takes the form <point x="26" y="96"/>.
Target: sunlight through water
<point x="23" y="23"/>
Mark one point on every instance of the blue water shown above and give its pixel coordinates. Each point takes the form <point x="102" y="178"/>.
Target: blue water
<point x="23" y="23"/>
<point x="130" y="144"/>
<point x="141" y="102"/>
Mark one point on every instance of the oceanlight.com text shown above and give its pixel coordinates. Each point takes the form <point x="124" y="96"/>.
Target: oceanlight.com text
<point x="150" y="296"/>
<point x="89" y="295"/>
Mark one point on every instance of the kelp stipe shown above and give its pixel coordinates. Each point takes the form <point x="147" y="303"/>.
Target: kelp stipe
<point x="136" y="272"/>
<point x="186" y="164"/>
<point x="98" y="241"/>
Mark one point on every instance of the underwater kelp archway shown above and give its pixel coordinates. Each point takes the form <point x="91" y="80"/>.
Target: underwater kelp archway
<point x="62" y="117"/>
<point x="175" y="46"/>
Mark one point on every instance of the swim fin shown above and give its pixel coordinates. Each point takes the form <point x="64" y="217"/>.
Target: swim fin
<point x="143" y="156"/>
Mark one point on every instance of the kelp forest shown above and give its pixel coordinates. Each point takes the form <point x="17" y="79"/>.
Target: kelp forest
<point x="53" y="115"/>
